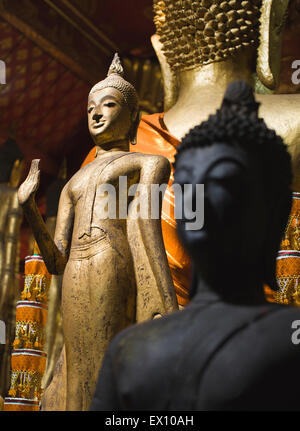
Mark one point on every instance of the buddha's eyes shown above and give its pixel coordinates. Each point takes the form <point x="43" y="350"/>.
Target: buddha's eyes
<point x="107" y="104"/>
<point x="110" y="104"/>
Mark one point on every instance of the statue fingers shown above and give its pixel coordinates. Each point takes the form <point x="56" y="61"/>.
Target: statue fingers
<point x="30" y="185"/>
<point x="34" y="174"/>
<point x="35" y="166"/>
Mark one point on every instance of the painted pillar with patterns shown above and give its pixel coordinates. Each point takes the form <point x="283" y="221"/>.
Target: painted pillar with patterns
<point x="28" y="360"/>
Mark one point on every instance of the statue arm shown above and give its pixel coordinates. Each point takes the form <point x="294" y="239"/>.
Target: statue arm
<point x="155" y="289"/>
<point x="156" y="170"/>
<point x="54" y="252"/>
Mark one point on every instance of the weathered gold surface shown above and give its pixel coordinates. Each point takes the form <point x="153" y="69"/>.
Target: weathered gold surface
<point x="55" y="397"/>
<point x="201" y="87"/>
<point x="115" y="270"/>
<point x="272" y="21"/>
<point x="53" y="328"/>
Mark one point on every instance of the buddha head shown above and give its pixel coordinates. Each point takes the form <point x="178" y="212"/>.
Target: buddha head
<point x="193" y="33"/>
<point x="246" y="172"/>
<point x="113" y="113"/>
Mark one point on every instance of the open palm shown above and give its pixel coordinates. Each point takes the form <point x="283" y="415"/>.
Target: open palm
<point x="28" y="188"/>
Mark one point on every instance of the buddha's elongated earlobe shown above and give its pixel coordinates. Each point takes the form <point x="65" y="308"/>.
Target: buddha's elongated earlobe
<point x="272" y="22"/>
<point x="169" y="77"/>
<point x="134" y="127"/>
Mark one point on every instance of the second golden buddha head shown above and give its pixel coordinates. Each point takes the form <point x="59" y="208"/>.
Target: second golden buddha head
<point x="199" y="32"/>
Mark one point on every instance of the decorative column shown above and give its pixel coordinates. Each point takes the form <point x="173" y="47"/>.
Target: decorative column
<point x="288" y="261"/>
<point x="28" y="360"/>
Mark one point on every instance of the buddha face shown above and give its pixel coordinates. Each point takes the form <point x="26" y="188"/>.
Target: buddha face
<point x="231" y="201"/>
<point x="109" y="117"/>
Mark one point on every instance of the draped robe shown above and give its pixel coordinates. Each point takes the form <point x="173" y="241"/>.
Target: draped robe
<point x="154" y="138"/>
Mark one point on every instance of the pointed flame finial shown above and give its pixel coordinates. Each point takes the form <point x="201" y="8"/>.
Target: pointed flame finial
<point x="116" y="66"/>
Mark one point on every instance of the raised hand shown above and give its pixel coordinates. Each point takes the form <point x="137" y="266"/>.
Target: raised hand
<point x="28" y="188"/>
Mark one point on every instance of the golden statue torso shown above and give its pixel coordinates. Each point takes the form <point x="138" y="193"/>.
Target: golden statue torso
<point x="78" y="187"/>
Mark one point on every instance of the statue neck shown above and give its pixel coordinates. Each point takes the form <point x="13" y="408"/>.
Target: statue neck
<point x="238" y="287"/>
<point x="215" y="76"/>
<point x="200" y="91"/>
<point x="109" y="147"/>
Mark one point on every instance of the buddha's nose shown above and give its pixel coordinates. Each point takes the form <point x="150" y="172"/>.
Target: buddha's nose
<point x="97" y="117"/>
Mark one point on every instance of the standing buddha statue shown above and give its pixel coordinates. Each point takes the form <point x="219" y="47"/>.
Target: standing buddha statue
<point x="114" y="266"/>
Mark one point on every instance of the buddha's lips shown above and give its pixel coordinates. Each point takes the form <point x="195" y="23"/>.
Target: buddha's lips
<point x="97" y="125"/>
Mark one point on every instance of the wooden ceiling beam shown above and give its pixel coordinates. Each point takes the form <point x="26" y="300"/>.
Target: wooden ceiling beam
<point x="102" y="36"/>
<point x="80" y="66"/>
<point x="91" y="38"/>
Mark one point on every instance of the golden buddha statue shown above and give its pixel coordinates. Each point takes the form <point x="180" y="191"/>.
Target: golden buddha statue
<point x="208" y="44"/>
<point x="114" y="266"/>
<point x="11" y="165"/>
<point x="202" y="46"/>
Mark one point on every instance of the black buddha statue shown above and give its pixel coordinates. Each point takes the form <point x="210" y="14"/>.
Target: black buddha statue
<point x="228" y="349"/>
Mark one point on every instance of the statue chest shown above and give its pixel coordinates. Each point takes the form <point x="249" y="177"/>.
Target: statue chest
<point x="97" y="197"/>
